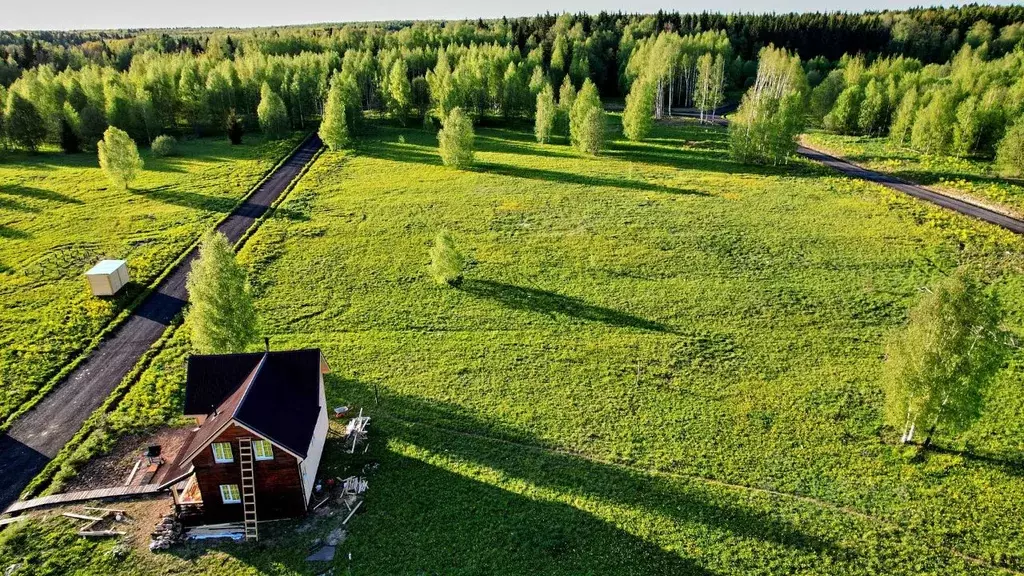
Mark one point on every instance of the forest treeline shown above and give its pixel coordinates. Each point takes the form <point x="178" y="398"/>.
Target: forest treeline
<point x="60" y="86"/>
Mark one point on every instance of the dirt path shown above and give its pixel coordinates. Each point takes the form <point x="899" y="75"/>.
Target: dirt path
<point x="36" y="437"/>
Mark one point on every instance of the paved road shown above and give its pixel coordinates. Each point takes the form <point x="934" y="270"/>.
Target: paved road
<point x="38" y="436"/>
<point x="955" y="204"/>
<point x="917" y="191"/>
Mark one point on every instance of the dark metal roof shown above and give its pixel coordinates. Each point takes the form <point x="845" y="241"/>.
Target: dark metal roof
<point x="212" y="378"/>
<point x="278" y="397"/>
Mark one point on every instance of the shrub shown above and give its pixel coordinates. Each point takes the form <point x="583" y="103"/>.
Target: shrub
<point x="235" y="128"/>
<point x="455" y="140"/>
<point x="164" y="145"/>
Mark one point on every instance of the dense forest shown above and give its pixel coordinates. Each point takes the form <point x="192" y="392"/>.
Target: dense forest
<point x="861" y="73"/>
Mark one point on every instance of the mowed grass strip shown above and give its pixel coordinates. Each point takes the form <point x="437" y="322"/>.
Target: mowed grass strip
<point x="59" y="215"/>
<point x="658" y="308"/>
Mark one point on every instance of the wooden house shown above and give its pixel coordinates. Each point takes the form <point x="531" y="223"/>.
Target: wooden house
<point x="262" y="424"/>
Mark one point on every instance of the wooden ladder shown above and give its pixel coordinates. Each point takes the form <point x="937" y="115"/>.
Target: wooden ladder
<point x="248" y="488"/>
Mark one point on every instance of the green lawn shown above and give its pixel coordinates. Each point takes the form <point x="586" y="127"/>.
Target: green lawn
<point x="971" y="177"/>
<point x="661" y="362"/>
<point x="59" y="215"/>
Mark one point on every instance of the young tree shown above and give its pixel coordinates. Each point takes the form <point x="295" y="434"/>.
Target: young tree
<point x="399" y="91"/>
<point x="710" y="80"/>
<point x="446" y="262"/>
<point x="586" y="120"/>
<point x="24" y="125"/>
<point x="119" y="157"/>
<point x="334" y="126"/>
<point x="1010" y="151"/>
<point x="455" y="139"/>
<point x="938" y="366"/>
<point x="544" y="120"/>
<point x="221" y="316"/>
<point x="235" y="128"/>
<point x="272" y="113"/>
<point x="566" y="98"/>
<point x="638" y="118"/>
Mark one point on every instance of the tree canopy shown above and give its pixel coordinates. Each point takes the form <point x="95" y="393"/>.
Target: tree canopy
<point x="119" y="157"/>
<point x="221" y="317"/>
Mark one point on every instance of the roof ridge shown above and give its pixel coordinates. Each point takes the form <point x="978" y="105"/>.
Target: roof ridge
<point x="248" y="385"/>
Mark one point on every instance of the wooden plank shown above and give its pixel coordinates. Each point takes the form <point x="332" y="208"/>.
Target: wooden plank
<point x="116" y="511"/>
<point x="99" y="533"/>
<point x="82" y="517"/>
<point x="82" y="496"/>
<point x="7" y="521"/>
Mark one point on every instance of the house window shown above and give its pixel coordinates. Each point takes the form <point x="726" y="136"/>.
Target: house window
<point x="262" y="450"/>
<point x="222" y="452"/>
<point x="229" y="494"/>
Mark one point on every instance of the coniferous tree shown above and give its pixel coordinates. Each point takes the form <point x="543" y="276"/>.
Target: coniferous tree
<point x="221" y="316"/>
<point x="455" y="140"/>
<point x="235" y="128"/>
<point x="70" y="143"/>
<point x="119" y="157"/>
<point x="272" y="114"/>
<point x="544" y="119"/>
<point x="587" y="120"/>
<point x="938" y="366"/>
<point x="334" y="126"/>
<point x="23" y="123"/>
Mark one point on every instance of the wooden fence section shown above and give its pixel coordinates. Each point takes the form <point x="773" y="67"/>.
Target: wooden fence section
<point x="102" y="494"/>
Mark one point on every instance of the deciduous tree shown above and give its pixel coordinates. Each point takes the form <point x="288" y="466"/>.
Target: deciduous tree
<point x="119" y="157"/>
<point x="938" y="366"/>
<point x="272" y="114"/>
<point x="334" y="125"/>
<point x="455" y="139"/>
<point x="1010" y="151"/>
<point x="586" y="120"/>
<point x="221" y="316"/>
<point x="544" y="119"/>
<point x="24" y="125"/>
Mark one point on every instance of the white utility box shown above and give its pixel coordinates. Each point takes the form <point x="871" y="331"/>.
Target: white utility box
<point x="107" y="277"/>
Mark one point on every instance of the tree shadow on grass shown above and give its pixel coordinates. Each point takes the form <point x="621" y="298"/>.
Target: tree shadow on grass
<point x="623" y="493"/>
<point x="222" y="204"/>
<point x="1012" y="465"/>
<point x="17" y="206"/>
<point x="580" y="179"/>
<point x="553" y="304"/>
<point x="37" y="194"/>
<point x="13" y="233"/>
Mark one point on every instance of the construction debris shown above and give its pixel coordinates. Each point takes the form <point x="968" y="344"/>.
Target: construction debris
<point x="168" y="531"/>
<point x="232" y="530"/>
<point x="355" y="431"/>
<point x="100" y="526"/>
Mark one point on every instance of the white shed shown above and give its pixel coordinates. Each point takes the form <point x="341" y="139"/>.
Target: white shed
<point x="107" y="277"/>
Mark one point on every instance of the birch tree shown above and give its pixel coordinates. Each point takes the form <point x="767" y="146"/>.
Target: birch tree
<point x="119" y="157"/>
<point x="544" y="119"/>
<point x="771" y="113"/>
<point x="939" y="365"/>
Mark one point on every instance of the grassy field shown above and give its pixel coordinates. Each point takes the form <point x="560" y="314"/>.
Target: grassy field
<point x="58" y="216"/>
<point x="969" y="177"/>
<point x="661" y="362"/>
